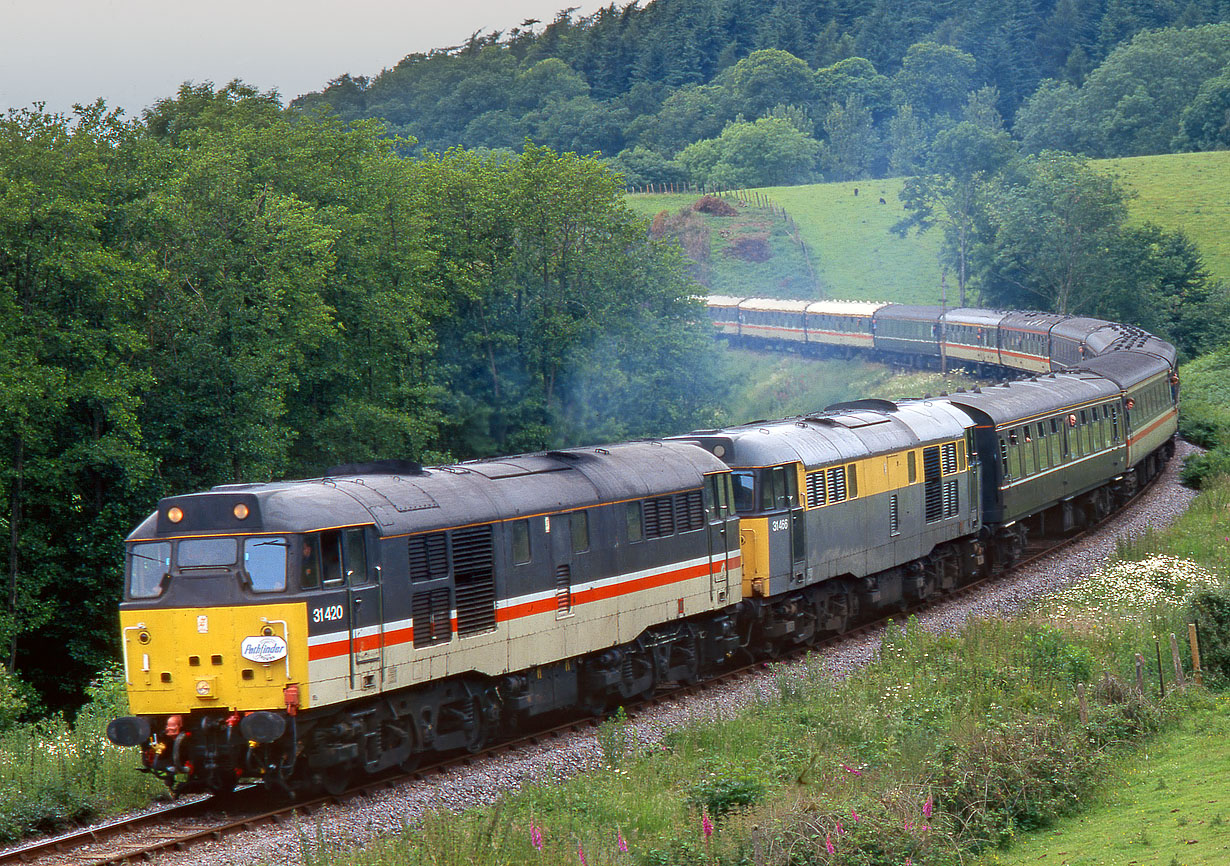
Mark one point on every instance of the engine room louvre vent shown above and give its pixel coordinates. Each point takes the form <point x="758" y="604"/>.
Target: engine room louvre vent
<point x="950" y="499"/>
<point x="815" y="489"/>
<point x="432" y="621"/>
<point x="689" y="511"/>
<point x="948" y="457"/>
<point x="933" y="492"/>
<point x="836" y="484"/>
<point x="659" y="517"/>
<point x="474" y="574"/>
<point x="428" y="557"/>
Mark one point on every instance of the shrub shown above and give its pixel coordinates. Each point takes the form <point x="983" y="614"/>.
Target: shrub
<point x="714" y="206"/>
<point x="721" y="796"/>
<point x="1210" y="611"/>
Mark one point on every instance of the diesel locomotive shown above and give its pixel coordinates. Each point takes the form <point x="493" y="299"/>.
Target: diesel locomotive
<point x="304" y="633"/>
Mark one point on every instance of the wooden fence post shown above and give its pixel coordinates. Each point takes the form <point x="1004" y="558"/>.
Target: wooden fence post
<point x="1080" y="702"/>
<point x="1180" y="679"/>
<point x="1140" y="675"/>
<point x="1197" y="671"/>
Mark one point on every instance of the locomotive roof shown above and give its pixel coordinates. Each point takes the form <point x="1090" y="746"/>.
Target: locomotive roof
<point x="1028" y="398"/>
<point x="723" y="301"/>
<point x="840" y="433"/>
<point x="455" y="495"/>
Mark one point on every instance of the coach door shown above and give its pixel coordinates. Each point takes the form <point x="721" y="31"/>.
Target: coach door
<point x="366" y="597"/>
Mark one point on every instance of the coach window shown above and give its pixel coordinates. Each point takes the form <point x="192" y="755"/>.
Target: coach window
<point x="264" y="563"/>
<point x="521" y="541"/>
<point x="148" y="564"/>
<point x="636" y="526"/>
<point x="579" y="520"/>
<point x="745" y="491"/>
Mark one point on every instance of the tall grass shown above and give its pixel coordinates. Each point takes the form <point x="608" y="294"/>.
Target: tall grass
<point x="945" y="745"/>
<point x="54" y="773"/>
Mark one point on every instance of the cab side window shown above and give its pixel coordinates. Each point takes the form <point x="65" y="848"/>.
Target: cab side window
<point x="355" y="550"/>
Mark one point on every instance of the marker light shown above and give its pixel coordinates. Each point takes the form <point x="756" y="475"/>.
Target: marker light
<point x="240" y="511"/>
<point x="175" y="514"/>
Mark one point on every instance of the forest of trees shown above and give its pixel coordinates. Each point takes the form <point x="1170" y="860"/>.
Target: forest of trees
<point x="678" y="90"/>
<point x="229" y="291"/>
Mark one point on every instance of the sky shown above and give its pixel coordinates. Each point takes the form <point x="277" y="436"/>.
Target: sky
<point x="135" y="52"/>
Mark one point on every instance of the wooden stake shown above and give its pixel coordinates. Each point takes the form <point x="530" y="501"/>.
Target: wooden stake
<point x="1140" y="675"/>
<point x="1180" y="679"/>
<point x="1161" y="674"/>
<point x="1080" y="702"/>
<point x="1197" y="672"/>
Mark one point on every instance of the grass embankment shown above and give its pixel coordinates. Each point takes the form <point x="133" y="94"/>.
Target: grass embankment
<point x="781" y="385"/>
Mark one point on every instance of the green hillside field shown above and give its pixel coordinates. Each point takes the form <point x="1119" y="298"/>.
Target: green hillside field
<point x="853" y="255"/>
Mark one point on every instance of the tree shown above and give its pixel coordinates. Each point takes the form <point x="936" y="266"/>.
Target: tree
<point x="1054" y="224"/>
<point x="1205" y="123"/>
<point x="850" y="147"/>
<point x="957" y="192"/>
<point x="768" y="152"/>
<point x="935" y="79"/>
<point x="767" y="78"/>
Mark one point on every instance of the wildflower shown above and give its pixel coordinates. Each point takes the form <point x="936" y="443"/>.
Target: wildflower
<point x="623" y="845"/>
<point x="854" y="815"/>
<point x="581" y="855"/>
<point x="909" y="862"/>
<point x="850" y="769"/>
<point x="828" y="845"/>
<point x="706" y="825"/>
<point x="927" y="806"/>
<point x="840" y="829"/>
<point x="909" y="825"/>
<point x="535" y="836"/>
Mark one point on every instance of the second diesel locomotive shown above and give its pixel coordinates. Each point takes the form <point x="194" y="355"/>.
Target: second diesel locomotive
<point x="302" y="633"/>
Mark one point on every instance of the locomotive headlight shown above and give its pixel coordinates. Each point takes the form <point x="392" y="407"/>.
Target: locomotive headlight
<point x="240" y="511"/>
<point x="175" y="514"/>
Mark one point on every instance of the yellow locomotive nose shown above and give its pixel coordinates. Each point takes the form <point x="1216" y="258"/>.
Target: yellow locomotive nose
<point x="178" y="659"/>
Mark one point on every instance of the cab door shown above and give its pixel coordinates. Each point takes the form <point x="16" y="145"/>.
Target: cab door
<point x="717" y="511"/>
<point x="365" y="595"/>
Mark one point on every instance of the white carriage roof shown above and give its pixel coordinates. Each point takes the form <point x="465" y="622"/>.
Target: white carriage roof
<point x="845" y="308"/>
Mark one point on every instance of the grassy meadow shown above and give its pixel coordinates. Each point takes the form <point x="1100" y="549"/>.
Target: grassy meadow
<point x="1188" y="191"/>
<point x="852" y="255"/>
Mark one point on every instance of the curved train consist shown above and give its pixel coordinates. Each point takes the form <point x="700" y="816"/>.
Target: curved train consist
<point x="306" y="632"/>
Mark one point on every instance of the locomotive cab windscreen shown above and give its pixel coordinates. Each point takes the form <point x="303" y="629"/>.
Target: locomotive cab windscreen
<point x="259" y="563"/>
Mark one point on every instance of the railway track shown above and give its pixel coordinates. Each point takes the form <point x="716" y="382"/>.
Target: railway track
<point x="178" y="826"/>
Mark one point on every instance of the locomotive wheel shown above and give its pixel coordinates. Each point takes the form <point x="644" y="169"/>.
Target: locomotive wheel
<point x="335" y="780"/>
